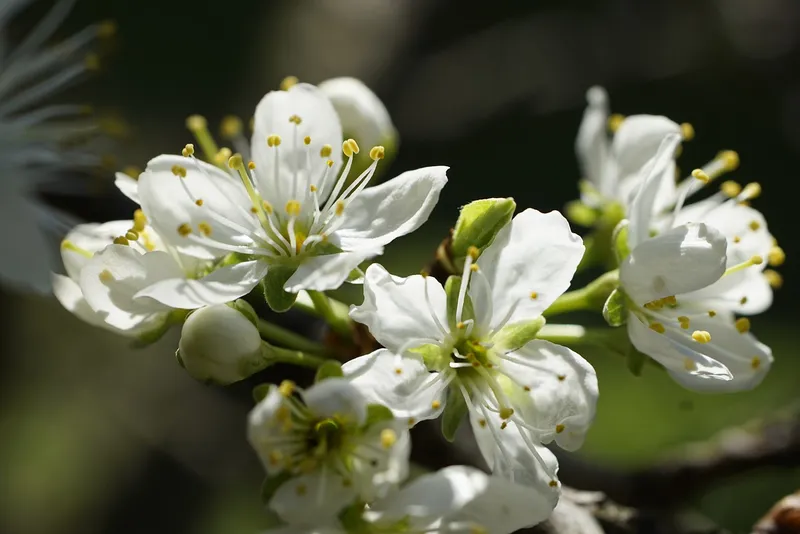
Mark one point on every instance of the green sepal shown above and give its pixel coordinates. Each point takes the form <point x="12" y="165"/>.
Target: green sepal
<point x="151" y="336"/>
<point x="261" y="391"/>
<point x="272" y="285"/>
<point x="244" y="307"/>
<point x="455" y="410"/>
<point x="515" y="335"/>
<point x="329" y="369"/>
<point x="377" y="413"/>
<point x="451" y="289"/>
<point x="479" y="223"/>
<point x="615" y="310"/>
<point x="352" y="518"/>
<point x="579" y="213"/>
<point x="431" y="355"/>
<point x="271" y="485"/>
<point x="619" y="241"/>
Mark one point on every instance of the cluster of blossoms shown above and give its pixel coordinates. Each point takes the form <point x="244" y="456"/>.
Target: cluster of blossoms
<point x="296" y="212"/>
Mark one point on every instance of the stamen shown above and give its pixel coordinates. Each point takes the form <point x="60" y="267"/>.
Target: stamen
<point x="288" y="82"/>
<point x="198" y="125"/>
<point x="376" y="153"/>
<point x="755" y="363"/>
<point x="700" y="175"/>
<point x="776" y="256"/>
<point x="615" y="121"/>
<point x="742" y="325"/>
<point x="687" y="131"/>
<point x="388" y="438"/>
<point x="684" y="322"/>
<point x="188" y="150"/>
<point x="774" y="278"/>
<point x="754" y="260"/>
<point x="750" y="191"/>
<point x="139" y="220"/>
<point x="184" y="229"/>
<point x="121" y="240"/>
<point x="131" y="235"/>
<point x="231" y="127"/>
<point x="701" y="336"/>
<point x="462" y="290"/>
<point x="657" y="327"/>
<point x="730" y="188"/>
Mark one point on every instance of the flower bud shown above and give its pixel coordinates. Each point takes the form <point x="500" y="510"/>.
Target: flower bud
<point x="478" y="224"/>
<point x="219" y="344"/>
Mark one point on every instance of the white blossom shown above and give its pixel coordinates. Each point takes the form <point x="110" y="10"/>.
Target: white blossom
<point x="520" y="392"/>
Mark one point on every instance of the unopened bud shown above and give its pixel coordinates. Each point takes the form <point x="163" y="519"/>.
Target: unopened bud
<point x="478" y="224"/>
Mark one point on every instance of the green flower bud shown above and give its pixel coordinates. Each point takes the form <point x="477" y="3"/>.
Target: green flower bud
<point x="218" y="344"/>
<point x="478" y="224"/>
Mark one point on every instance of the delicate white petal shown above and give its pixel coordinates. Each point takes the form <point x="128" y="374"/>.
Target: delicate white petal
<point x="90" y="238"/>
<point x="69" y="294"/>
<point x="128" y="186"/>
<point x="665" y="194"/>
<point x="681" y="260"/>
<point x="111" y="279"/>
<point x="322" y="273"/>
<point x="263" y="427"/>
<point x="592" y="144"/>
<point x="395" y="309"/>
<point x="168" y="206"/>
<point x="530" y="264"/>
<point x="745" y="292"/>
<point x="413" y="393"/>
<point x="223" y="285"/>
<point x="562" y="401"/>
<point x="651" y="177"/>
<point x="638" y="139"/>
<point x="298" y="165"/>
<point x="337" y="397"/>
<point x="395" y="468"/>
<point x="361" y="112"/>
<point x="381" y="214"/>
<point x="322" y="494"/>
<point x="744" y="227"/>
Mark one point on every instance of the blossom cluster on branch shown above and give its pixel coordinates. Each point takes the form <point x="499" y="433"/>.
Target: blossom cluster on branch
<point x="297" y="211"/>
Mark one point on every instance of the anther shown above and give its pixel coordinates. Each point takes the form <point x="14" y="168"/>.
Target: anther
<point x="235" y="161"/>
<point x="288" y="82"/>
<point x="730" y="159"/>
<point x="326" y="151"/>
<point x="196" y="123"/>
<point x="398" y="371"/>
<point x="505" y="413"/>
<point x="307" y="140"/>
<point x="376" y="153"/>
<point x="687" y="131"/>
<point x="473" y="252"/>
<point x="139" y="220"/>
<point x="222" y="156"/>
<point x="503" y="425"/>
<point x="184" y="229"/>
<point x="482" y="422"/>
<point x="700" y="175"/>
<point x="774" y="278"/>
<point x="742" y="325"/>
<point x="106" y="29"/>
<point x="313" y="188"/>
<point x="293" y="208"/>
<point x="776" y="256"/>
<point x="178" y="170"/>
<point x="474" y="267"/>
<point x="751" y="191"/>
<point x="712" y="313"/>
<point x="295" y="119"/>
<point x="251" y="165"/>
<point x="701" y="336"/>
<point x="287" y="388"/>
<point x="730" y="188"/>
<point x="329" y="163"/>
<point x="615" y="121"/>
<point x="388" y="438"/>
<point x="684" y="322"/>
<point x="339" y="208"/>
<point x="755" y="363"/>
<point x="132" y="171"/>
<point x="743" y="301"/>
<point x="561" y="378"/>
<point x="121" y="240"/>
<point x="231" y="126"/>
<point x="737" y="239"/>
<point x="273" y="140"/>
<point x="188" y="150"/>
<point x="435" y="405"/>
<point x="131" y="235"/>
<point x="105" y="276"/>
<point x="204" y="228"/>
<point x="552" y="483"/>
<point x="91" y="62"/>
<point x="460" y="325"/>
<point x="534" y="295"/>
<point x="657" y="327"/>
<point x="199" y="202"/>
<point x="559" y="428"/>
<point x="267" y="207"/>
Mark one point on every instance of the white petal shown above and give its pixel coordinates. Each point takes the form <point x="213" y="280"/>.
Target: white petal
<point x="380" y="214"/>
<point x="651" y="177"/>
<point x="684" y="259"/>
<point x="90" y="238"/>
<point x="361" y="112"/>
<point x="264" y="426"/>
<point x="395" y="309"/>
<point x="637" y="140"/>
<point x="223" y="285"/>
<point x="745" y="292"/>
<point x="535" y="254"/>
<point x="322" y="273"/>
<point x="666" y="193"/>
<point x="592" y="144"/>
<point x="322" y="494"/>
<point x="336" y="397"/>
<point x="69" y="294"/>
<point x="413" y="393"/>
<point x="168" y="206"/>
<point x="562" y="401"/>
<point x="128" y="186"/>
<point x="295" y="170"/>
<point x="736" y="223"/>
<point x="111" y="279"/>
<point x="395" y="465"/>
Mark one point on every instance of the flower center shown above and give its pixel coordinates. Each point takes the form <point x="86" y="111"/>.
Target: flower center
<point x="324" y="437"/>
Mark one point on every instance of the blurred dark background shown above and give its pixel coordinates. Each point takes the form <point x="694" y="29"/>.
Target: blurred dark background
<point x="96" y="437"/>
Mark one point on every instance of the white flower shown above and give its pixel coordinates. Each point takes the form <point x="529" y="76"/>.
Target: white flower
<point x="288" y="208"/>
<point x="323" y="443"/>
<point x="34" y="138"/>
<point x="476" y="340"/>
<point x="674" y="283"/>
<point x="454" y="499"/>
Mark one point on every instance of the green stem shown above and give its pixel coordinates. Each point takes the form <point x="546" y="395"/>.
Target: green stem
<point x="591" y="297"/>
<point x="294" y="357"/>
<point x="564" y="334"/>
<point x="290" y="340"/>
<point x="335" y="315"/>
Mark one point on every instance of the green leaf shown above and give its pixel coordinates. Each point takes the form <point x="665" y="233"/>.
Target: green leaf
<point x="329" y="369"/>
<point x="271" y="485"/>
<point x="378" y="413"/>
<point x="261" y="391"/>
<point x="515" y="335"/>
<point x="451" y="288"/>
<point x="454" y="412"/>
<point x="615" y="310"/>
<point x="272" y="285"/>
<point x="478" y="224"/>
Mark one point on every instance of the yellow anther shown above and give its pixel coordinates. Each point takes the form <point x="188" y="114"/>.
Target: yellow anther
<point x="326" y="151"/>
<point x="730" y="158"/>
<point x="251" y="165"/>
<point x="273" y="140"/>
<point x="131" y="235"/>
<point x="615" y="121"/>
<point x="700" y="175"/>
<point x="754" y="225"/>
<point x="106" y="29"/>
<point x="473" y="252"/>
<point x="689" y="364"/>
<point x="776" y="256"/>
<point x="743" y="301"/>
<point x="376" y="153"/>
<point x="737" y="239"/>
<point x="742" y="325"/>
<point x="204" y="228"/>
<point x="287" y="388"/>
<point x="670" y="300"/>
<point x="288" y="82"/>
<point x="329" y="163"/>
<point x="91" y="62"/>
<point x="188" y="150"/>
<point x="526" y="388"/>
<point x="411" y="421"/>
<point x="132" y="171"/>
<point x="105" y="276"/>
<point x="313" y="188"/>
<point x="307" y="140"/>
<point x="654" y="304"/>
<point x="552" y="483"/>
<point x="296" y="119"/>
<point x="388" y="438"/>
<point x="756" y="260"/>
<point x="774" y="278"/>
<point x="253" y="210"/>
<point x="340" y="208"/>
<point x="398" y="371"/>
<point x="223" y="156"/>
<point x="139" y="220"/>
<point x="657" y="327"/>
<point x="503" y="425"/>
<point x="267" y="207"/>
<point x="474" y="267"/>
<point x="301" y="490"/>
<point x="505" y="413"/>
<point x="534" y="295"/>
<point x="482" y="422"/>
<point x="684" y="322"/>
<point x="178" y="170"/>
<point x="701" y="336"/>
<point x="235" y="161"/>
<point x="435" y="405"/>
<point x="755" y="363"/>
<point x="730" y="188"/>
<point x="687" y="131"/>
<point x="293" y="208"/>
<point x="712" y="313"/>
<point x="121" y="240"/>
<point x="350" y="147"/>
<point x="184" y="229"/>
<point x="199" y="202"/>
<point x="559" y="429"/>
<point x="196" y="123"/>
<point x="231" y="126"/>
<point x="751" y="191"/>
<point x="460" y="325"/>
